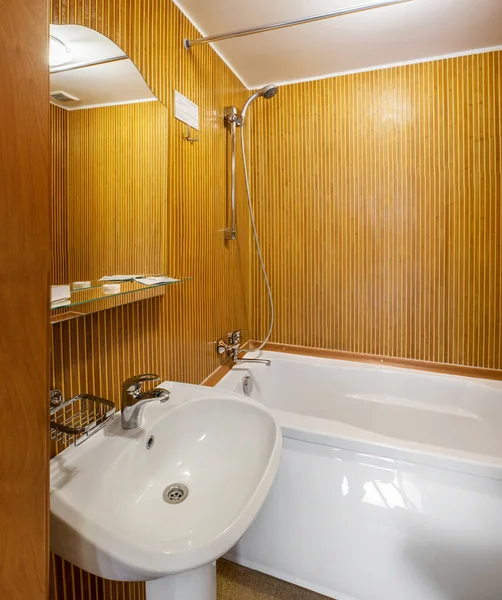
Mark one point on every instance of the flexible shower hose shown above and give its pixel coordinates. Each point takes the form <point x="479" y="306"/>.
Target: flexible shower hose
<point x="257" y="244"/>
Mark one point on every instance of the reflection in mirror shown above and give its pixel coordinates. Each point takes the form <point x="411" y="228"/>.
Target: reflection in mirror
<point x="89" y="70"/>
<point x="109" y="162"/>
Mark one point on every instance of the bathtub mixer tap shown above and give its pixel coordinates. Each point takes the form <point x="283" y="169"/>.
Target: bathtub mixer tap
<point x="232" y="348"/>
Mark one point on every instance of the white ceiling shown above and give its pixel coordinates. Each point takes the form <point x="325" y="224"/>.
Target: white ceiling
<point x="404" y="33"/>
<point x="105" y="84"/>
<point x="86" y="44"/>
<point x="102" y="85"/>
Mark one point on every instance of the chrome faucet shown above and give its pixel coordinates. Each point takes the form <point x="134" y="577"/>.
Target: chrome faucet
<point x="232" y="348"/>
<point x="236" y="359"/>
<point x="133" y="400"/>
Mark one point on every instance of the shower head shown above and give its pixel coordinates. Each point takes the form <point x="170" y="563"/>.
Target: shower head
<point x="269" y="91"/>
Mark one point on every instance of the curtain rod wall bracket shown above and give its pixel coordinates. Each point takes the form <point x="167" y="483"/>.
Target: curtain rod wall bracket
<point x="188" y="44"/>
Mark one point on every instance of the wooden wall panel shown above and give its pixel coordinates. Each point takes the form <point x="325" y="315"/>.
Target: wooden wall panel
<point x="378" y="201"/>
<point x="173" y="335"/>
<point x="109" y="196"/>
<point x="59" y="167"/>
<point x="117" y="190"/>
<point x="109" y="188"/>
<point x="25" y="263"/>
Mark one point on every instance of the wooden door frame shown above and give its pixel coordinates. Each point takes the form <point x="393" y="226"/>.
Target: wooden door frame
<point x="25" y="258"/>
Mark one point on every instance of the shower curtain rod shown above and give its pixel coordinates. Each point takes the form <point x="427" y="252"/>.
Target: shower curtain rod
<point x="329" y="15"/>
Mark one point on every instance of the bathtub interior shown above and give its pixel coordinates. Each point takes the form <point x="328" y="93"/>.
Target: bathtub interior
<point x="446" y="411"/>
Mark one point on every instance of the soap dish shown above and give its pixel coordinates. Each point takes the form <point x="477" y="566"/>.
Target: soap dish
<point x="77" y="419"/>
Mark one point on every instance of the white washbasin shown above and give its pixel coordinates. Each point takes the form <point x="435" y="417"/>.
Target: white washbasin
<point x="108" y="513"/>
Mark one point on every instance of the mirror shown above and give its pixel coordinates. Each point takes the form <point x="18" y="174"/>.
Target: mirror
<point x="109" y="171"/>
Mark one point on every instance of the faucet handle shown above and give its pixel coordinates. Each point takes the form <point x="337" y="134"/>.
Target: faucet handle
<point x="135" y="383"/>
<point x="235" y="336"/>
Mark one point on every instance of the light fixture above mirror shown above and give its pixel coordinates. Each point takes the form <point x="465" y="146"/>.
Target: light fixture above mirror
<point x="59" y="53"/>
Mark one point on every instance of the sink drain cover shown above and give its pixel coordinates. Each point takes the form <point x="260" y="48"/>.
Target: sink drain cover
<point x="175" y="493"/>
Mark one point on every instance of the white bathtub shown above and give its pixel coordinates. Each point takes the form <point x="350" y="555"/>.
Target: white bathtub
<point x="390" y="484"/>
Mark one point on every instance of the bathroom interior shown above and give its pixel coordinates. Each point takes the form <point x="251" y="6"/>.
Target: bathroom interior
<point x="251" y="300"/>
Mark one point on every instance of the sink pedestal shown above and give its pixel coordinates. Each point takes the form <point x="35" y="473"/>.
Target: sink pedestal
<point x="199" y="584"/>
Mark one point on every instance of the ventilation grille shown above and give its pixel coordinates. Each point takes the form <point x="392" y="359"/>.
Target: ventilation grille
<point x="63" y="97"/>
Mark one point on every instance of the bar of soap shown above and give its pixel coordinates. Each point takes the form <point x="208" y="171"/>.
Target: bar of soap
<point x="80" y="285"/>
<point x="111" y="288"/>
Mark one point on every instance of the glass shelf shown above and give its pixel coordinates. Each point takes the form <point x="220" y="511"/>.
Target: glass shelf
<point x="95" y="292"/>
<point x="96" y="283"/>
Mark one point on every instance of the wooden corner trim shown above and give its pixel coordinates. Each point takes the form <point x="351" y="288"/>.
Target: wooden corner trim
<point x="404" y="363"/>
<point x="218" y="374"/>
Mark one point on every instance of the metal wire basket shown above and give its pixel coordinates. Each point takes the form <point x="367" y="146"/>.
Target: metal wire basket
<point x="77" y="419"/>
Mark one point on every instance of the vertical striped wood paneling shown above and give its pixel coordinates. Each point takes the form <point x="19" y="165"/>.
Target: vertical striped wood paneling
<point x="378" y="201"/>
<point x="172" y="335"/>
<point x="59" y="167"/>
<point x="109" y="195"/>
<point x="109" y="181"/>
<point x="117" y="188"/>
